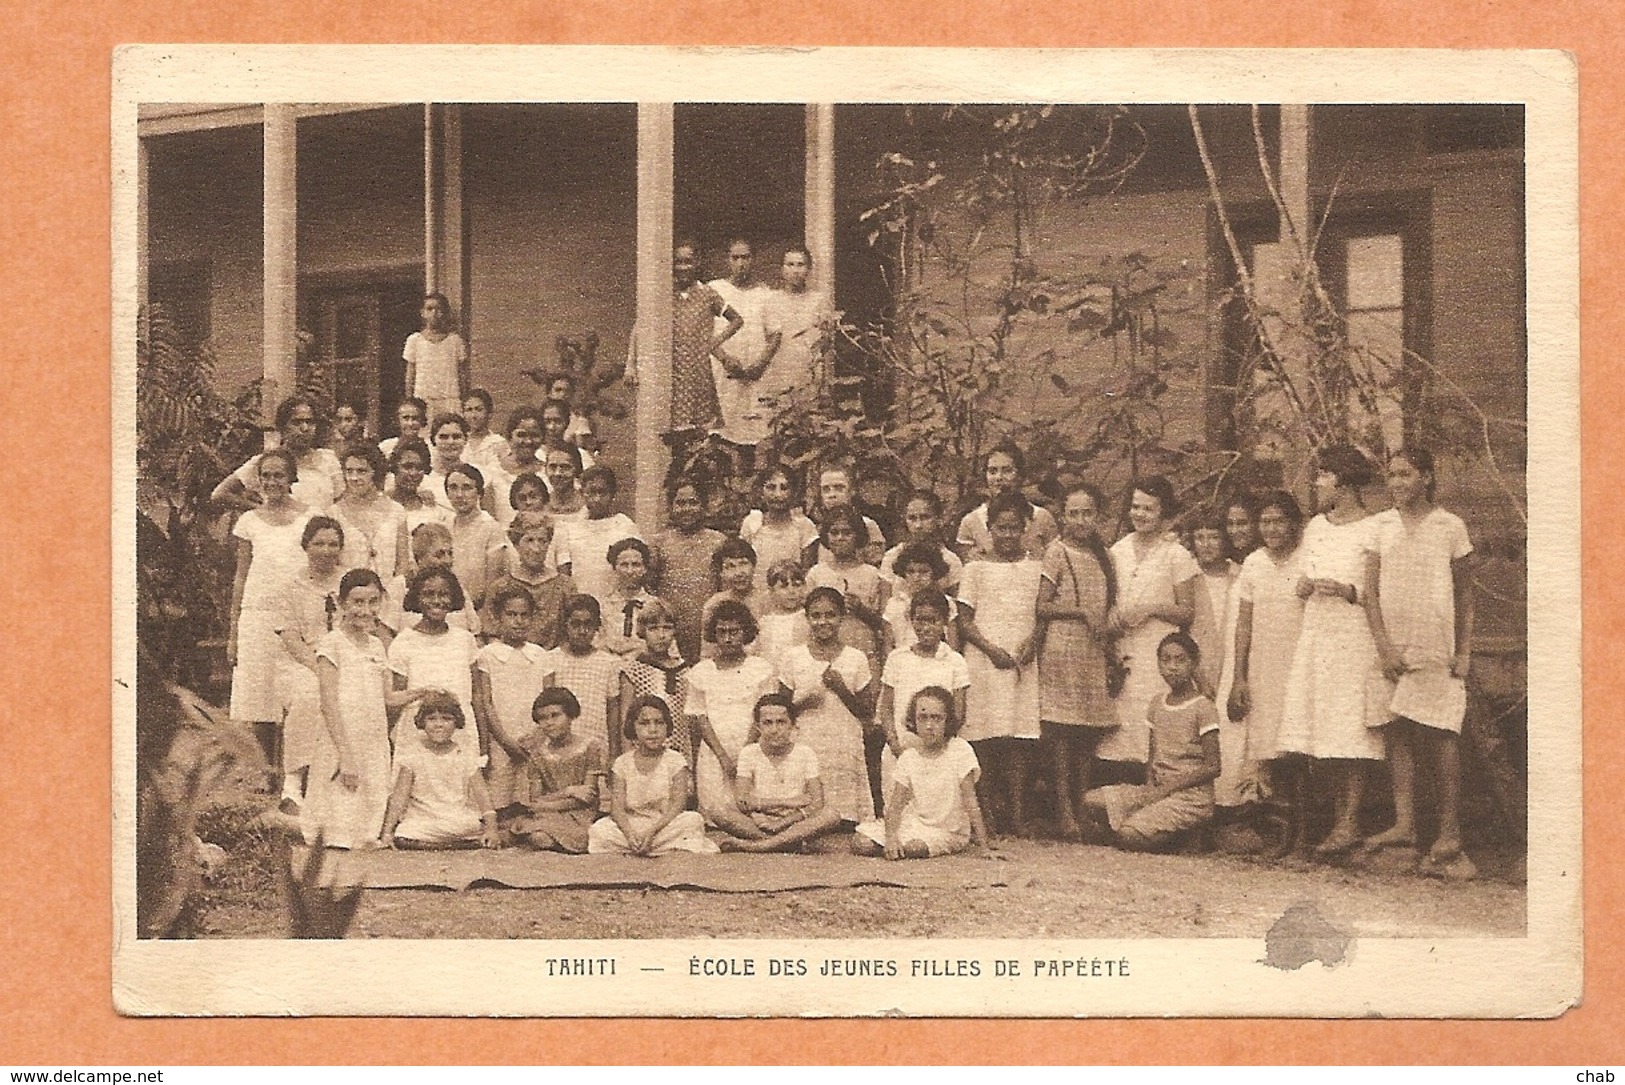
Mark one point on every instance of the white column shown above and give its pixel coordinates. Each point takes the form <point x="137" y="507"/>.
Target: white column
<point x="142" y="255"/>
<point x="431" y="217"/>
<point x="653" y="331"/>
<point x="453" y="281"/>
<point x="281" y="226"/>
<point x="820" y="195"/>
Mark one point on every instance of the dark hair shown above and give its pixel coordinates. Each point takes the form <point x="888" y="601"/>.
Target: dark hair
<point x="731" y="547"/>
<point x="525" y="412"/>
<point x="629" y="724"/>
<point x="1421" y="459"/>
<point x="572" y="450"/>
<point x="777" y="467"/>
<point x="445" y="307"/>
<point x="1209" y="517"/>
<point x="414" y="588"/>
<point x="1185" y="641"/>
<point x="1348" y="463"/>
<point x="920" y="554"/>
<point x="768" y="700"/>
<point x="833" y="595"/>
<point x="525" y="479"/>
<point x="507" y="594"/>
<point x="560" y="696"/>
<point x="446" y="418"/>
<point x="844" y="514"/>
<point x="1011" y="449"/>
<point x="595" y="472"/>
<point x="930" y="497"/>
<point x="409" y="444"/>
<point x="366" y="450"/>
<point x="422" y="406"/>
<point x="1289" y="507"/>
<point x="439" y="704"/>
<point x="930" y="597"/>
<point x="580" y="601"/>
<point x="701" y="490"/>
<point x="555" y="402"/>
<point x="470" y="472"/>
<point x="621" y="546"/>
<point x="285" y="409"/>
<point x="1159" y="487"/>
<point x="1095" y="545"/>
<point x="802" y="249"/>
<point x="358" y="578"/>
<point x="1009" y="501"/>
<point x="279" y="453"/>
<point x="782" y="572"/>
<point x="1241" y="500"/>
<point x="938" y="693"/>
<point x="316" y="524"/>
<point x="482" y="395"/>
<point x="731" y="610"/>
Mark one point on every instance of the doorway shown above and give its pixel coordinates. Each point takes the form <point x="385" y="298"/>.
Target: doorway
<point x="358" y="325"/>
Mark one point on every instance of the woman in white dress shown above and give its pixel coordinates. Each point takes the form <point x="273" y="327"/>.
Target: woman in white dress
<point x="374" y="526"/>
<point x="1336" y="700"/>
<point x="833" y="691"/>
<point x="1156" y="595"/>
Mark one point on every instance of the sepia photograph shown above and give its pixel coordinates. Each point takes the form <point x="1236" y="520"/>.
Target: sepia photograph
<point x="946" y="532"/>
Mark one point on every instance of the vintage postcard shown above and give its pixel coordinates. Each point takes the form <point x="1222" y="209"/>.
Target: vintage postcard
<point x="845" y="532"/>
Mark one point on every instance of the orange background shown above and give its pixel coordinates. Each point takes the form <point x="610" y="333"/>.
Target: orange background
<point x="55" y="1006"/>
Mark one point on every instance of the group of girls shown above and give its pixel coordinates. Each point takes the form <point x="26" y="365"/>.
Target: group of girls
<point x="897" y="691"/>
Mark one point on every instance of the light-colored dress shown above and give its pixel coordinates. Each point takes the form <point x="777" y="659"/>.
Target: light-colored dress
<point x="1071" y="660"/>
<point x="440" y="810"/>
<point x="935" y="815"/>
<point x="341" y="817"/>
<point x="829" y="730"/>
<point x="584" y="544"/>
<point x="646" y="796"/>
<point x="516" y="675"/>
<point x="1272" y="588"/>
<point x="744" y="422"/>
<point x="777" y="633"/>
<point x="773" y="782"/>
<point x="436" y="373"/>
<point x="1336" y="696"/>
<point x="474" y="544"/>
<point x="1417" y="590"/>
<point x="436" y="660"/>
<point x="1002" y="596"/>
<point x="860" y="582"/>
<point x="308" y="607"/>
<point x="727" y="698"/>
<point x="949" y="582"/>
<point x="1143" y="583"/>
<point x="375" y="550"/>
<point x="321" y="478"/>
<point x="274" y="560"/>
<point x="976" y="541"/>
<point x="905" y="674"/>
<point x="775" y="542"/>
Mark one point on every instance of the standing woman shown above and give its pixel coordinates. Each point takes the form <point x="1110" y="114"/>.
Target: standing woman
<point x="1336" y="702"/>
<point x="268" y="555"/>
<point x="1156" y="595"/>
<point x="374" y="526"/>
<point x="308" y="607"/>
<point x="317" y="479"/>
<point x="1002" y="471"/>
<point x="1078" y="590"/>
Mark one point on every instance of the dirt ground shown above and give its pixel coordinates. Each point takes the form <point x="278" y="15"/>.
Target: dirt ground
<point x="1054" y="890"/>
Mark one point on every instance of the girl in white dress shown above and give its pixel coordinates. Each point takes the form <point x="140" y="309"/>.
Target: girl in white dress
<point x="722" y="696"/>
<point x="349" y="768"/>
<point x="432" y="652"/>
<point x="268" y="556"/>
<point x="1003" y="471"/>
<point x="833" y="693"/>
<point x="932" y="807"/>
<point x="439" y="799"/>
<point x="1269" y="615"/>
<point x="649" y="791"/>
<point x="998" y="604"/>
<point x="845" y="535"/>
<point x="1422" y="619"/>
<point x="478" y="543"/>
<point x="1336" y="700"/>
<point x="1156" y="595"/>
<point x="436" y="358"/>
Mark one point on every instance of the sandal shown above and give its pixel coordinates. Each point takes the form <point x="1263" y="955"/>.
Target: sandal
<point x="1450" y="863"/>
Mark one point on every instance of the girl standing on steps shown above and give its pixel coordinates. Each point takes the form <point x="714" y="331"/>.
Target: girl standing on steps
<point x="436" y="358"/>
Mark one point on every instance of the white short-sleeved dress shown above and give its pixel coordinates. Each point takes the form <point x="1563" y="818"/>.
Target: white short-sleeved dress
<point x="1417" y="591"/>
<point x="307" y="611"/>
<point x="341" y="817"/>
<point x="516" y="675"/>
<point x="784" y="780"/>
<point x="646" y="796"/>
<point x="727" y="697"/>
<point x="976" y="540"/>
<point x="440" y="810"/>
<point x="275" y="559"/>
<point x="320" y="482"/>
<point x="1335" y="693"/>
<point x="1143" y="582"/>
<point x="935" y="815"/>
<point x="1271" y="586"/>
<point x="435" y="380"/>
<point x="829" y="731"/>
<point x="439" y="660"/>
<point x="1003" y="596"/>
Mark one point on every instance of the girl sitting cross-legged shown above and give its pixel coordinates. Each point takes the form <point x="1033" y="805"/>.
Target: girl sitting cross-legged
<point x="780" y="796"/>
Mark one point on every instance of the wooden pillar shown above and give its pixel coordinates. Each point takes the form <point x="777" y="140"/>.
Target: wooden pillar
<point x="431" y="215"/>
<point x="281" y="228"/>
<point x="820" y="196"/>
<point x="453" y="269"/>
<point x="653" y="331"/>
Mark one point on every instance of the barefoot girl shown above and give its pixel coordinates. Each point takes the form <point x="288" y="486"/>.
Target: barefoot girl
<point x="439" y="799"/>
<point x="1422" y="618"/>
<point x="649" y="791"/>
<point x="722" y="695"/>
<point x="349" y="768"/>
<point x="998" y="602"/>
<point x="1269" y="616"/>
<point x="833" y="696"/>
<point x="437" y="358"/>
<point x="1076" y="593"/>
<point x="1335" y="704"/>
<point x="562" y="774"/>
<point x="780" y="794"/>
<point x="932" y="807"/>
